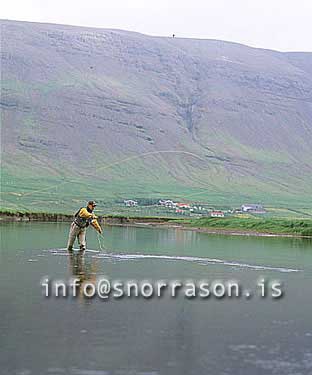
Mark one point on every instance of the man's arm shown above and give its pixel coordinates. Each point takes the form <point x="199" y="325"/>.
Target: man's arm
<point x="96" y="225"/>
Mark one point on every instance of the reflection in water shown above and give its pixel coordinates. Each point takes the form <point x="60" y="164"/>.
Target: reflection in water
<point x="84" y="270"/>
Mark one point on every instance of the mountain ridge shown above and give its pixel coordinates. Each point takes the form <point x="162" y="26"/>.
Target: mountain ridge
<point x="92" y="28"/>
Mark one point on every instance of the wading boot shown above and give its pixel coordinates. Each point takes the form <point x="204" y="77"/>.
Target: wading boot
<point x="82" y="249"/>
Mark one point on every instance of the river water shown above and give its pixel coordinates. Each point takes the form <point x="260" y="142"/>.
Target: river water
<point x="150" y="336"/>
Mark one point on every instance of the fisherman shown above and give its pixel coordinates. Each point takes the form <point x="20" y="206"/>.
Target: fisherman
<point x="83" y="218"/>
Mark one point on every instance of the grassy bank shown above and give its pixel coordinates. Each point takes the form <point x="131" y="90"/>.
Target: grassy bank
<point x="8" y="215"/>
<point x="302" y="227"/>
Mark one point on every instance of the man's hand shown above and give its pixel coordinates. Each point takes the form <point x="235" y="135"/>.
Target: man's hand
<point x="100" y="230"/>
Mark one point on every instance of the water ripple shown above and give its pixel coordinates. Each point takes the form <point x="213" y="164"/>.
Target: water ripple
<point x="191" y="259"/>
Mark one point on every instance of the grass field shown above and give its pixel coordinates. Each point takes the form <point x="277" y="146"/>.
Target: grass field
<point x="302" y="227"/>
<point x="50" y="194"/>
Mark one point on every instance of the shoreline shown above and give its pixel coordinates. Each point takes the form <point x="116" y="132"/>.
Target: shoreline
<point x="142" y="222"/>
<point x="225" y="232"/>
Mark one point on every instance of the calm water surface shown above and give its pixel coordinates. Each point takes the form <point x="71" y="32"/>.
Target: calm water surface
<point x="179" y="336"/>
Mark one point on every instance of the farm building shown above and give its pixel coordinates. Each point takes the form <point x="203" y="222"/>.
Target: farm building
<point x="255" y="208"/>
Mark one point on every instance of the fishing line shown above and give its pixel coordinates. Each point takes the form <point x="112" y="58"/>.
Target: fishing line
<point x="101" y="244"/>
<point x="115" y="163"/>
<point x="148" y="154"/>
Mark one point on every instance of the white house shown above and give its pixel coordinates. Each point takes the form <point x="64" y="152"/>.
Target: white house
<point x="167" y="203"/>
<point x="130" y="203"/>
<point x="217" y="214"/>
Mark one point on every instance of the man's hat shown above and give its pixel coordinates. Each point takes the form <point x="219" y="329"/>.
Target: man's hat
<point x="92" y="203"/>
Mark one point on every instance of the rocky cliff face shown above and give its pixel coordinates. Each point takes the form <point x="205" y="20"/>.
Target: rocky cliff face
<point x="79" y="105"/>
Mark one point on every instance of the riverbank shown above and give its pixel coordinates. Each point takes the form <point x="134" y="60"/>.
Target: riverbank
<point x="268" y="227"/>
<point x="255" y="225"/>
<point x="12" y="216"/>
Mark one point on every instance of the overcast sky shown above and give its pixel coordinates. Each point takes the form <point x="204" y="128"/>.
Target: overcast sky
<point x="277" y="24"/>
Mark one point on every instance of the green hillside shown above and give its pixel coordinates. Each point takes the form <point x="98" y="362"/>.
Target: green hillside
<point x="110" y="115"/>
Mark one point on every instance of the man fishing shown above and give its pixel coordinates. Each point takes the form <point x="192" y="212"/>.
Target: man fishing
<point x="83" y="218"/>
